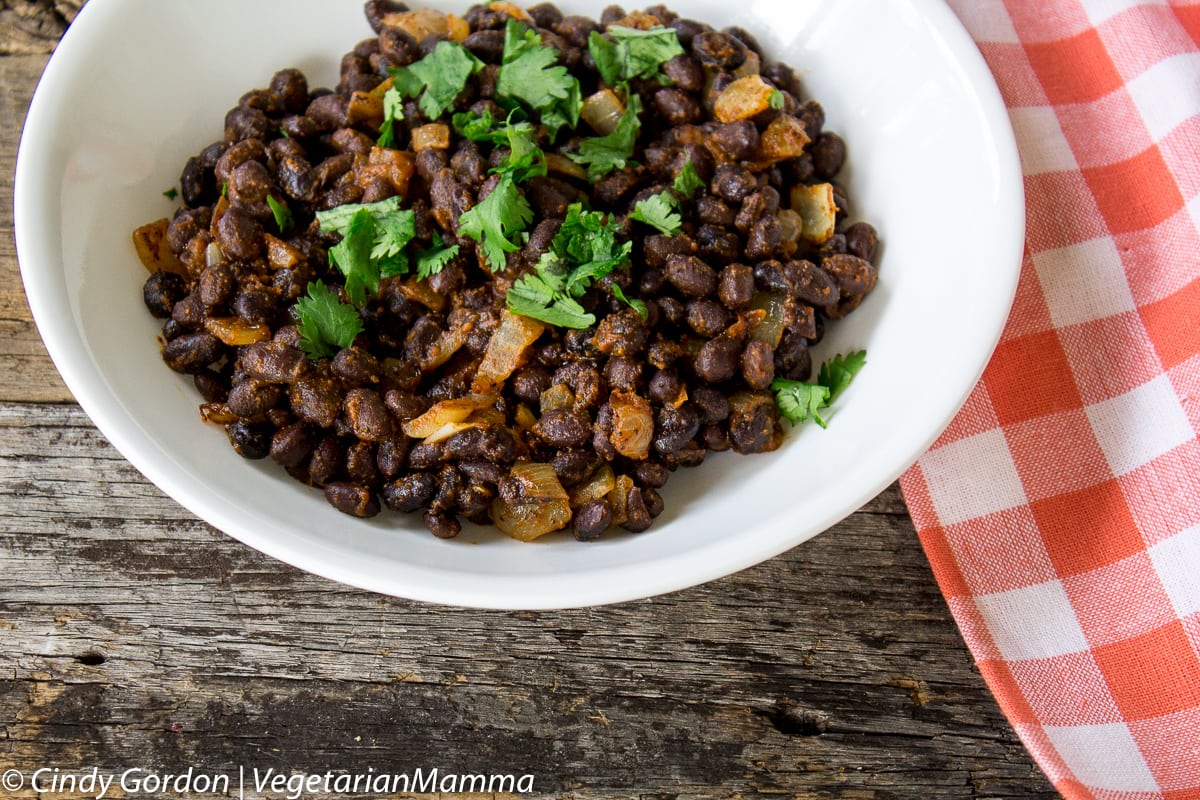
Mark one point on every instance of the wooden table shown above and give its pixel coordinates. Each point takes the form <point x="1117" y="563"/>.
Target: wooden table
<point x="136" y="636"/>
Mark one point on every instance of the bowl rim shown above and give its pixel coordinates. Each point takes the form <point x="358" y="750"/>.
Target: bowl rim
<point x="65" y="343"/>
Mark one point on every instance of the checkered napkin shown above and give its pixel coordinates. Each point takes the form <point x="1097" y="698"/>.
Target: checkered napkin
<point x="1061" y="509"/>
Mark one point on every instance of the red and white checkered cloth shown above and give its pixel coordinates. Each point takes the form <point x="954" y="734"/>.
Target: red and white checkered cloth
<point x="1061" y="509"/>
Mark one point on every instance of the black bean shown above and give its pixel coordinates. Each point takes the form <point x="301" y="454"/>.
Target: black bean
<point x="719" y="50"/>
<point x="764" y="239"/>
<point x="348" y="140"/>
<point x="239" y="234"/>
<point x="651" y="474"/>
<point x="161" y="291"/>
<point x="733" y="183"/>
<point x="410" y="492"/>
<point x="186" y="223"/>
<point x="686" y="30"/>
<point x="591" y="520"/>
<point x="690" y="275"/>
<point x="188" y="313"/>
<point x="792" y="358"/>
<point x="368" y="416"/>
<point x="676" y="106"/>
<point x="251" y="399"/>
<point x="657" y="248"/>
<point x="862" y="241"/>
<point x="854" y="275"/>
<point x="550" y="196"/>
<point x="812" y="284"/>
<point x="638" y="516"/>
<point x="442" y="525"/>
<point x="707" y="317"/>
<point x="754" y="423"/>
<point x="326" y="461"/>
<point x="623" y="372"/>
<point x="495" y="444"/>
<point x="255" y="304"/>
<point x="352" y="498"/>
<point x="758" y="364"/>
<point x="714" y="211"/>
<point x="664" y="386"/>
<point x="192" y="352"/>
<point x="450" y="199"/>
<point x="360" y="463"/>
<point x="244" y="123"/>
<point x="212" y="386"/>
<point x="195" y="182"/>
<point x="291" y="445"/>
<point x="291" y="87"/>
<point x="675" y="427"/>
<point x="718" y="244"/>
<point x="715" y="438"/>
<point x="736" y="287"/>
<point x="562" y="427"/>
<point x="616" y="185"/>
<point x="621" y="334"/>
<point x="316" y="400"/>
<point x="274" y="362"/>
<point x="249" y="441"/>
<point x="236" y="155"/>
<point x="486" y="45"/>
<point x="739" y="140"/>
<point x="829" y="153"/>
<point x="356" y="366"/>
<point x="685" y="72"/>
<point x="215" y="285"/>
<point x="445" y="496"/>
<point x="328" y="112"/>
<point x="377" y="10"/>
<point x="717" y="359"/>
<point x="712" y="404"/>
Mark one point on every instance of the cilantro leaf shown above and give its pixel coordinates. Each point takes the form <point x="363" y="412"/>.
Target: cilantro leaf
<point x="283" y="214"/>
<point x="391" y="229"/>
<point x="530" y="73"/>
<point x="658" y="211"/>
<point x="687" y="181"/>
<point x="393" y="111"/>
<point x="799" y="401"/>
<point x="477" y="127"/>
<point x="525" y="159"/>
<point x="626" y="53"/>
<point x="535" y="296"/>
<point x="171" y="193"/>
<point x="438" y="77"/>
<point x="495" y="218"/>
<point x="433" y="260"/>
<point x="325" y="323"/>
<point x="584" y="250"/>
<point x="775" y="100"/>
<point x="837" y="372"/>
<point x="353" y="257"/>
<point x="602" y="154"/>
<point x="636" y="304"/>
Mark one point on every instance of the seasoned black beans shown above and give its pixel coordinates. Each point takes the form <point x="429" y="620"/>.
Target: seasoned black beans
<point x="684" y="343"/>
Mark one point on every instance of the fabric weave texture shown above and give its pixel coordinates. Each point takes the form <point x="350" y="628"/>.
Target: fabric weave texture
<point x="1061" y="509"/>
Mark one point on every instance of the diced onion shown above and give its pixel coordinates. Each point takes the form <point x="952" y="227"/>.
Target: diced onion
<point x="439" y="415"/>
<point x="744" y="98"/>
<point x="434" y="136"/>
<point x="602" y="110"/>
<point x="543" y="506"/>
<point x="505" y="351"/>
<point x="557" y="396"/>
<point x="597" y="487"/>
<point x="150" y="241"/>
<point x="785" y="137"/>
<point x="817" y="210"/>
<point x="632" y="426"/>
<point x="235" y="331"/>
<point x="774" y="306"/>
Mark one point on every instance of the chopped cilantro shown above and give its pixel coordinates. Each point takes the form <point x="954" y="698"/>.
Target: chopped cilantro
<point x="433" y="260"/>
<point x="171" y="193"/>
<point x="325" y="323"/>
<point x="799" y="401"/>
<point x="636" y="304"/>
<point x="391" y="229"/>
<point x="530" y="73"/>
<point x="687" y="181"/>
<point x="477" y="127"/>
<point x="353" y="257"/>
<point x="775" y="100"/>
<point x="283" y="214"/>
<point x="622" y="54"/>
<point x="585" y="249"/>
<point x="393" y="111"/>
<point x="837" y="372"/>
<point x="602" y="154"/>
<point x="658" y="211"/>
<point x="438" y="77"/>
<point x="495" y="218"/>
<point x="525" y="159"/>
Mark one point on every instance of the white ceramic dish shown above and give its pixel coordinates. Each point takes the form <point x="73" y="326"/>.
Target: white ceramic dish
<point x="136" y="87"/>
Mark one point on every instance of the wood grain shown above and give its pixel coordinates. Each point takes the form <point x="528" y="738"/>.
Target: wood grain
<point x="137" y="636"/>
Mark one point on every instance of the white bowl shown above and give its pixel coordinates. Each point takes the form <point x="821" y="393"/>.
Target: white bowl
<point x="135" y="88"/>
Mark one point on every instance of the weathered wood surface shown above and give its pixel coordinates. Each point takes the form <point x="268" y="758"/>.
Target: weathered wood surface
<point x="136" y="636"/>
